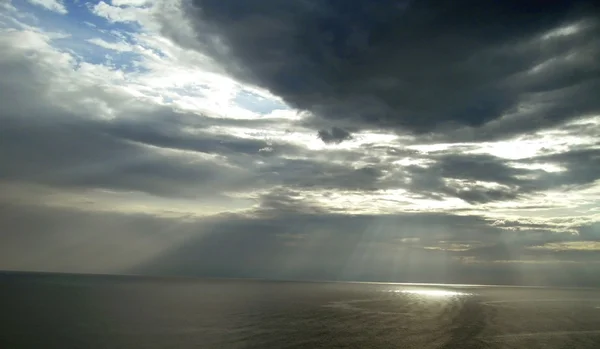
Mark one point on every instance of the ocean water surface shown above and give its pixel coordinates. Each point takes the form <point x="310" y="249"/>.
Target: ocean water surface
<point x="75" y="311"/>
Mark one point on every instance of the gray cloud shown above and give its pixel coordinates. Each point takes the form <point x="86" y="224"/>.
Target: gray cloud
<point x="285" y="240"/>
<point x="335" y="135"/>
<point x="44" y="141"/>
<point x="307" y="244"/>
<point x="413" y="65"/>
<point x="165" y="128"/>
<point x="413" y="70"/>
<point x="430" y="181"/>
<point x="80" y="153"/>
<point x="306" y="174"/>
<point x="474" y="178"/>
<point x="510" y="182"/>
<point x="69" y="151"/>
<point x="581" y="167"/>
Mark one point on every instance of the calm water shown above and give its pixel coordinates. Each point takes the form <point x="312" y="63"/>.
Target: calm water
<point x="59" y="311"/>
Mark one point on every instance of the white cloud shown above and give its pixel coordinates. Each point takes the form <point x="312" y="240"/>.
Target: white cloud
<point x="52" y="5"/>
<point x="116" y="46"/>
<point x="131" y="2"/>
<point x="174" y="75"/>
<point x="569" y="246"/>
<point x="7" y="5"/>
<point x="123" y="14"/>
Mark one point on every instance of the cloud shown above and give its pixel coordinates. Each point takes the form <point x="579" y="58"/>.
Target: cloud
<point x="314" y="245"/>
<point x="335" y="135"/>
<point x="116" y="46"/>
<point x="51" y="5"/>
<point x="100" y="137"/>
<point x="124" y="143"/>
<point x="325" y="245"/>
<point x="67" y="153"/>
<point x="130" y="12"/>
<point x="7" y="5"/>
<point x="479" y="178"/>
<point x="570" y="245"/>
<point x="138" y="146"/>
<point x="278" y="243"/>
<point x="417" y="66"/>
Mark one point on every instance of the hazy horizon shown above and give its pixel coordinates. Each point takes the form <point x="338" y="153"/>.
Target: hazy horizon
<point x="222" y="278"/>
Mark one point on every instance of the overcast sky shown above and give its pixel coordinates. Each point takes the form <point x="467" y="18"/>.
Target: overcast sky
<point x="390" y="140"/>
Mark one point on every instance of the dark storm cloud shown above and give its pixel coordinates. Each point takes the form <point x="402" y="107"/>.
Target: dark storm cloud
<point x="412" y="65"/>
<point x="335" y="135"/>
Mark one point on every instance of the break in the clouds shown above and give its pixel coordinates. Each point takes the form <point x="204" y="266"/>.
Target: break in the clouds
<point x="390" y="140"/>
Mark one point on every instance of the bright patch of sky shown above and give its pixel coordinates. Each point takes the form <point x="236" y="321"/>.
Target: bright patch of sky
<point x="122" y="36"/>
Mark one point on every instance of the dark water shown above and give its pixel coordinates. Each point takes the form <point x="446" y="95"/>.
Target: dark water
<point x="61" y="311"/>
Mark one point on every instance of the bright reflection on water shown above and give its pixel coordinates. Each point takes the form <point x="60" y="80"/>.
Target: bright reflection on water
<point x="431" y="292"/>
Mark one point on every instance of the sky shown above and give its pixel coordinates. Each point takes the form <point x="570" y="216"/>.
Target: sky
<point x="391" y="140"/>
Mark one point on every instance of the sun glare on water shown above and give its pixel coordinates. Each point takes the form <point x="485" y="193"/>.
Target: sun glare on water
<point x="432" y="293"/>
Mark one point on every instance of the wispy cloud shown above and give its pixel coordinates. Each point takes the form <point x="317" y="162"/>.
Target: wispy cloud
<point x="51" y="5"/>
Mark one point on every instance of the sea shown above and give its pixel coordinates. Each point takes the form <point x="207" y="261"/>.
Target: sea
<point x="87" y="311"/>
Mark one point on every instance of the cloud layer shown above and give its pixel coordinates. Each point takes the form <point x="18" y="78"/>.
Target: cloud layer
<point x="401" y="141"/>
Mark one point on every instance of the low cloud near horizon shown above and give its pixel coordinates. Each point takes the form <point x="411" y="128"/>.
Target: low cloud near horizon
<point x="411" y="141"/>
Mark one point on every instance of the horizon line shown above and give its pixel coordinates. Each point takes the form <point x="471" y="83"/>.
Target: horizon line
<point x="199" y="278"/>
